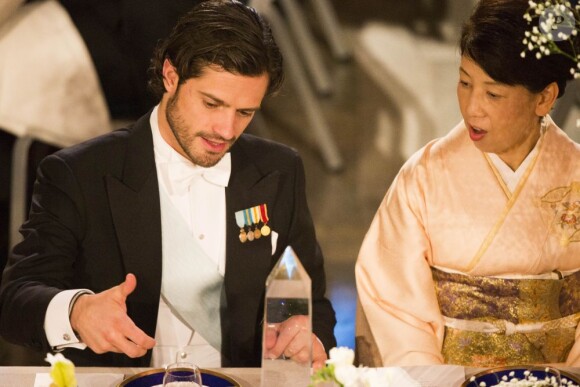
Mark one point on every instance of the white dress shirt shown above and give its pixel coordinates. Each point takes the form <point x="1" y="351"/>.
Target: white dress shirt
<point x="201" y="201"/>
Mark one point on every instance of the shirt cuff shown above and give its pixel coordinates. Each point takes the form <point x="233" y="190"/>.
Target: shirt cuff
<point x="59" y="332"/>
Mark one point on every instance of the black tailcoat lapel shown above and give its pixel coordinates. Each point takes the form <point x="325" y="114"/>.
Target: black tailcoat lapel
<point x="249" y="263"/>
<point x="135" y="208"/>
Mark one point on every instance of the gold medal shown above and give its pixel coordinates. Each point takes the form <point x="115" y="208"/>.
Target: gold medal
<point x="243" y="236"/>
<point x="250" y="235"/>
<point x="257" y="233"/>
<point x="264" y="218"/>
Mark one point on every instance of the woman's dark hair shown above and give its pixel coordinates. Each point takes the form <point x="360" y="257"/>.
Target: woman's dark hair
<point x="493" y="38"/>
<point x="224" y="33"/>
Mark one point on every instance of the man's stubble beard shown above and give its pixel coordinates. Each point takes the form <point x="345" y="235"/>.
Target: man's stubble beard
<point x="183" y="138"/>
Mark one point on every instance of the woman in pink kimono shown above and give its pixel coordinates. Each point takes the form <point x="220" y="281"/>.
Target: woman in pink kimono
<point x="473" y="257"/>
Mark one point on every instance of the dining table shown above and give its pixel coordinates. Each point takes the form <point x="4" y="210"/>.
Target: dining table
<point x="427" y="376"/>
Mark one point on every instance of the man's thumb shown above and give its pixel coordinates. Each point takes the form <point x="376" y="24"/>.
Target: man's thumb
<point x="129" y="285"/>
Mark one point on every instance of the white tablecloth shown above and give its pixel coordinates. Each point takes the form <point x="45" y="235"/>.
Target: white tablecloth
<point x="428" y="376"/>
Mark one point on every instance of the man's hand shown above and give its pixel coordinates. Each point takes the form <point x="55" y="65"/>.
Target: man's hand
<point x="102" y="322"/>
<point x="291" y="339"/>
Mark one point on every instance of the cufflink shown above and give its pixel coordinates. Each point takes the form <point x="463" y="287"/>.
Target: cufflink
<point x="66" y="337"/>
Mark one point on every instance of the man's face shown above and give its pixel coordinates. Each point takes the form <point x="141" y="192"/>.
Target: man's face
<point x="204" y="116"/>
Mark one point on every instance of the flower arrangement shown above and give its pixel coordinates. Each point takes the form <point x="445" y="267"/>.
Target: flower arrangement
<point x="556" y="24"/>
<point x="340" y="370"/>
<point x="62" y="371"/>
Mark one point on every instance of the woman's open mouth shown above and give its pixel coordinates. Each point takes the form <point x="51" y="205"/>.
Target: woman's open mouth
<point x="475" y="133"/>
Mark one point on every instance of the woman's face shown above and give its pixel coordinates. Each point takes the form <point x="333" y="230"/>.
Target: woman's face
<point x="500" y="118"/>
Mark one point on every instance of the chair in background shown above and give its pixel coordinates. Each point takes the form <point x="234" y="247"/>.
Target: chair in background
<point x="297" y="73"/>
<point x="49" y="90"/>
<point x="418" y="75"/>
<point x="298" y="26"/>
<point x="331" y="28"/>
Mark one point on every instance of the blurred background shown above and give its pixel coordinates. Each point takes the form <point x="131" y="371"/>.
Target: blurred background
<point x="368" y="83"/>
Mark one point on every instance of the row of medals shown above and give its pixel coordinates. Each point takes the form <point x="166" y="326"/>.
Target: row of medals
<point x="257" y="233"/>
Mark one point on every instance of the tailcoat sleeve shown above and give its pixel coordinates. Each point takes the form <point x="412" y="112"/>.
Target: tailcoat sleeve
<point x="43" y="263"/>
<point x="267" y="172"/>
<point x="302" y="238"/>
<point x="393" y="275"/>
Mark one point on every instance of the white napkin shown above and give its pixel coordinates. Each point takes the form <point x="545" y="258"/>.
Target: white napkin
<point x="437" y="376"/>
<point x="400" y="378"/>
<point x="85" y="380"/>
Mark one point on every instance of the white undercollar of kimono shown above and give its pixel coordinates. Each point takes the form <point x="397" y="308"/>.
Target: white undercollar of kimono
<point x="510" y="177"/>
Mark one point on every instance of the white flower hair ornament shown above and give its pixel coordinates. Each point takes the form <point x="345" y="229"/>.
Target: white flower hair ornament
<point x="554" y="24"/>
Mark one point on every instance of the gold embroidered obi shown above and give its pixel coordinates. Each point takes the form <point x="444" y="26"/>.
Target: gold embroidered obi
<point x="496" y="322"/>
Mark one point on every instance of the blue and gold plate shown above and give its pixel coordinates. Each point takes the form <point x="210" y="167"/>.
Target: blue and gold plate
<point x="155" y="378"/>
<point x="494" y="376"/>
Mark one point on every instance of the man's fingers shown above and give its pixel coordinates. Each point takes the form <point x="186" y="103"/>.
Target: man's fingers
<point x="129" y="348"/>
<point x="318" y="353"/>
<point x="130" y="339"/>
<point x="302" y="356"/>
<point x="293" y="335"/>
<point x="104" y="325"/>
<point x="127" y="339"/>
<point x="299" y="351"/>
<point x="119" y="344"/>
<point x="294" y="340"/>
<point x="316" y="365"/>
<point x="285" y="335"/>
<point x="140" y="338"/>
<point x="270" y="336"/>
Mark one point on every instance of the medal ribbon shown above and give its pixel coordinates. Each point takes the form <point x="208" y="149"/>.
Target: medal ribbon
<point x="241" y="222"/>
<point x="264" y="213"/>
<point x="240" y="219"/>
<point x="250" y="216"/>
<point x="256" y="214"/>
<point x="250" y="221"/>
<point x="256" y="219"/>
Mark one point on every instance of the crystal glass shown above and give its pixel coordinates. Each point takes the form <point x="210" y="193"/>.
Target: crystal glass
<point x="182" y="375"/>
<point x="287" y="324"/>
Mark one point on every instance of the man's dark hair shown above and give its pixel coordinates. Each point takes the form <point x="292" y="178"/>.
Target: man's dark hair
<point x="224" y="33"/>
<point x="493" y="38"/>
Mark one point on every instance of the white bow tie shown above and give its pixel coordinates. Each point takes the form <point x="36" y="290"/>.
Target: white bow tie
<point x="181" y="174"/>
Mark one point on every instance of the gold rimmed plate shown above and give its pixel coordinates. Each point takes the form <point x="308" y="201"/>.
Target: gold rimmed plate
<point x="494" y="376"/>
<point x="154" y="377"/>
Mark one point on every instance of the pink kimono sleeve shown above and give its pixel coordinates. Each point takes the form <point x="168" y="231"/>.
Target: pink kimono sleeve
<point x="394" y="280"/>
